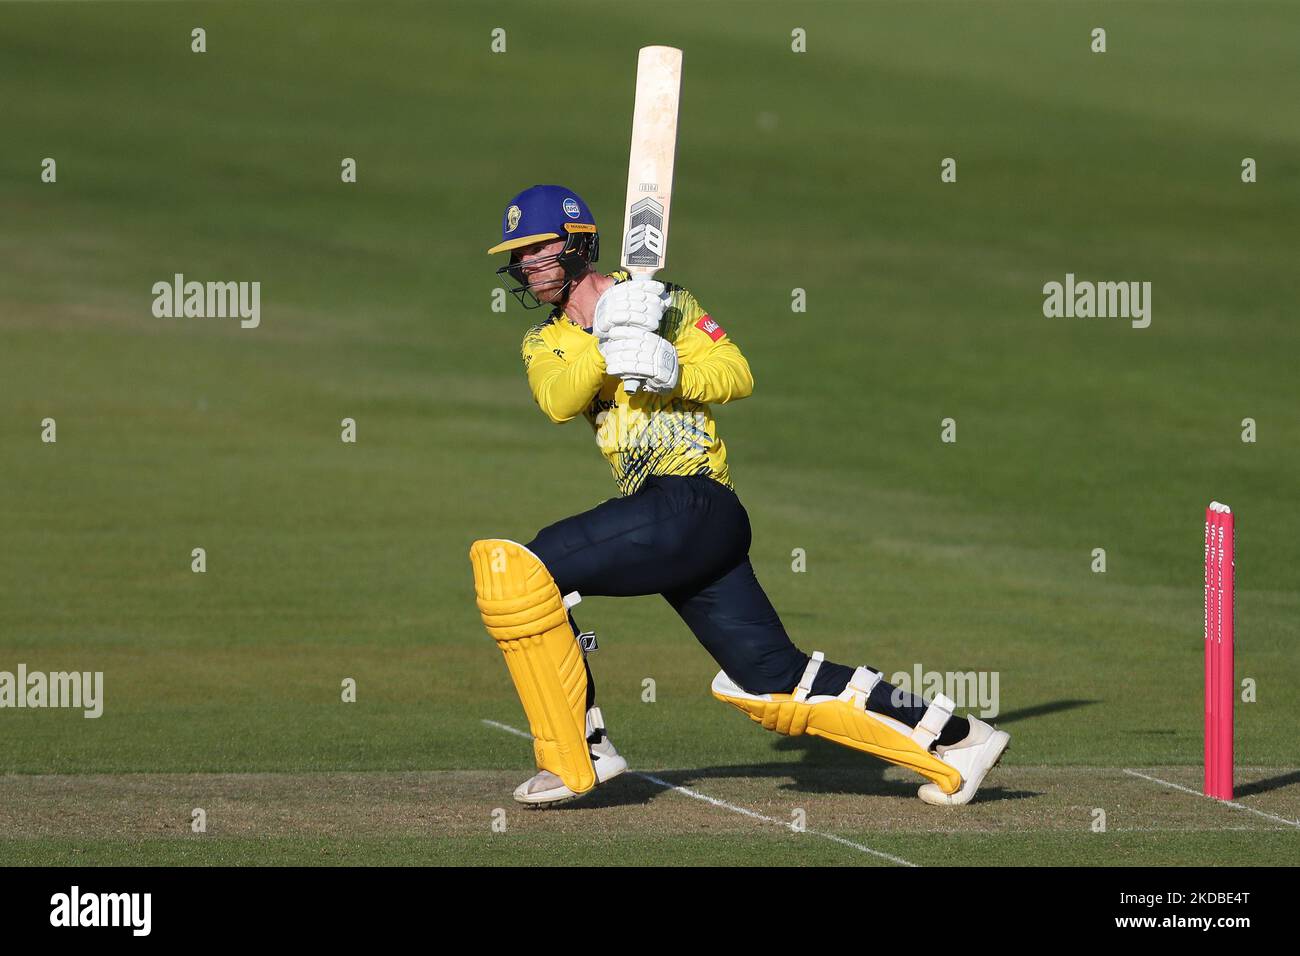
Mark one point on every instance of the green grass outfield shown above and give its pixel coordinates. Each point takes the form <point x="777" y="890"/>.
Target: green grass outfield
<point x="818" y="171"/>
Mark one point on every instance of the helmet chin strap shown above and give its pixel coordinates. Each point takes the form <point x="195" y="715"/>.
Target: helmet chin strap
<point x="566" y="290"/>
<point x="563" y="299"/>
<point x="580" y="251"/>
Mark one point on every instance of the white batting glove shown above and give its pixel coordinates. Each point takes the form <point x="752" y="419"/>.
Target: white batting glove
<point x="634" y="304"/>
<point x="642" y="356"/>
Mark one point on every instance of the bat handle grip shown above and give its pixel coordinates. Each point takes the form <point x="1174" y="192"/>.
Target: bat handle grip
<point x="632" y="385"/>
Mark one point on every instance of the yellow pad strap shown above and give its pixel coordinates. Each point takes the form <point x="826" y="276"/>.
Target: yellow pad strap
<point x="523" y="611"/>
<point x="843" y="722"/>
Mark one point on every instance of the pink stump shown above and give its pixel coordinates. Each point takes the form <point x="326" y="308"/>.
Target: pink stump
<point x="1219" y="682"/>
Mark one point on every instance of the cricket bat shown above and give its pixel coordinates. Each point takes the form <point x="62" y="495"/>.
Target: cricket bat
<point x="650" y="165"/>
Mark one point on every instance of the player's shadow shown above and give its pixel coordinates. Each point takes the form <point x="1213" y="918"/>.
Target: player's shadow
<point x="1039" y="710"/>
<point x="819" y="766"/>
<point x="814" y="767"/>
<point x="828" y="768"/>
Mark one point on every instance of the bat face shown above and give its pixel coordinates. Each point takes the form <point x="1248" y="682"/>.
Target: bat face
<point x="650" y="168"/>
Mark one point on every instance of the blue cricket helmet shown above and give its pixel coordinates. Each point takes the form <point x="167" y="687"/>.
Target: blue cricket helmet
<point x="540" y="214"/>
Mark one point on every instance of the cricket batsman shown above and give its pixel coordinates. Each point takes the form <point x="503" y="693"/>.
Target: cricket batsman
<point x="677" y="529"/>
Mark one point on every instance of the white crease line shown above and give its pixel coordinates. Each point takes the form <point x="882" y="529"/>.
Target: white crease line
<point x="781" y="823"/>
<point x="743" y="811"/>
<point x="1192" y="830"/>
<point x="1227" y="803"/>
<point x="508" y="729"/>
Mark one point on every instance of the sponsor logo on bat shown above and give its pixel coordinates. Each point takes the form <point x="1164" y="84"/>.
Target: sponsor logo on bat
<point x="645" y="237"/>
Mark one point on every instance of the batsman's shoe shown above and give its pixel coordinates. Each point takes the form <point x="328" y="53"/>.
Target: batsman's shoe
<point x="846" y="720"/>
<point x="546" y="789"/>
<point x="974" y="756"/>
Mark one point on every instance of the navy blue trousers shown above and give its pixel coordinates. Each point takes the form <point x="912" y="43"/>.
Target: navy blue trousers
<point x="688" y="539"/>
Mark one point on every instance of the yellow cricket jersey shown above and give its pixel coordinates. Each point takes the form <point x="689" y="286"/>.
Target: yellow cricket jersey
<point x="642" y="434"/>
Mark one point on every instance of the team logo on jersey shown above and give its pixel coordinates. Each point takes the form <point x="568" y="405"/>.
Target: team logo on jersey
<point x="710" y="327"/>
<point x="513" y="215"/>
<point x="571" y="208"/>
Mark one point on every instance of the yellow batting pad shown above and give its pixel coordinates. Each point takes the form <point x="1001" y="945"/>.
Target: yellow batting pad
<point x="843" y="720"/>
<point x="523" y="611"/>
